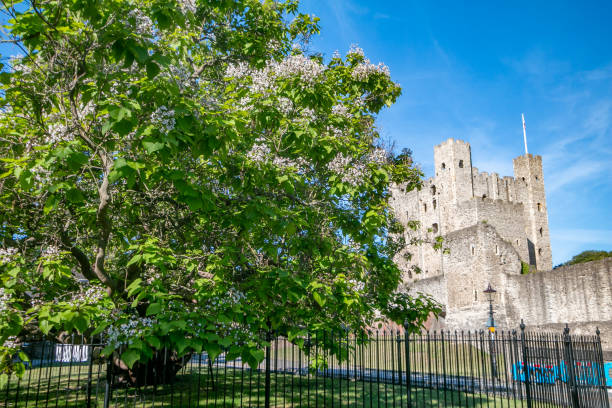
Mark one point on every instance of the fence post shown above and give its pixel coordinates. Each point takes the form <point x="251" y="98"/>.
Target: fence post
<point x="525" y="365"/>
<point x="407" y="351"/>
<point x="267" y="384"/>
<point x="601" y="384"/>
<point x="109" y="378"/>
<point x="571" y="376"/>
<point x="90" y="372"/>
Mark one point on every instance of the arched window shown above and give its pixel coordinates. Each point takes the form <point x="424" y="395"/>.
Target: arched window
<point x="540" y="251"/>
<point x="435" y="204"/>
<point x="443" y="166"/>
<point x="473" y="250"/>
<point x="539" y="206"/>
<point x="461" y="164"/>
<point x="424" y="207"/>
<point x="433" y="190"/>
<point x="541" y="231"/>
<point x="434" y="228"/>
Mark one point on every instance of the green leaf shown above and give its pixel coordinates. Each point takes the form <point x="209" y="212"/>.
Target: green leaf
<point x="129" y="357"/>
<point x="153" y="341"/>
<point x="23" y="356"/>
<point x="45" y="326"/>
<point x="140" y="53"/>
<point x="151" y="146"/>
<point x="108" y="350"/>
<point x="81" y="323"/>
<point x="153" y="309"/>
<point x="152" y="69"/>
<point x="318" y="298"/>
<point x="74" y="195"/>
<point x="134" y="287"/>
<point x="213" y="350"/>
<point x="51" y="203"/>
<point x="100" y="329"/>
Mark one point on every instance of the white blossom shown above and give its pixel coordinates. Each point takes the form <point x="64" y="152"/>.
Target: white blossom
<point x="366" y="68"/>
<point x="235" y="295"/>
<point x="89" y="297"/>
<point x="182" y="76"/>
<point x="350" y="172"/>
<point x="128" y="331"/>
<point x="11" y="343"/>
<point x="308" y="113"/>
<point x="50" y="251"/>
<point x="5" y="298"/>
<point x="378" y="156"/>
<point x="238" y="71"/>
<point x="335" y="131"/>
<point x="259" y="152"/>
<point x="285" y="105"/>
<point x="245" y="103"/>
<point x="6" y="255"/>
<point x="340" y="110"/>
<point x="356" y="285"/>
<point x="187" y="6"/>
<point x="355" y="49"/>
<point x="262" y="80"/>
<point x="140" y="23"/>
<point x="56" y="132"/>
<point x="164" y="118"/>
<point x="42" y="176"/>
<point x="308" y="69"/>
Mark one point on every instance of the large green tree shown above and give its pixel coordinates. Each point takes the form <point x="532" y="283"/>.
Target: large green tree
<point x="184" y="174"/>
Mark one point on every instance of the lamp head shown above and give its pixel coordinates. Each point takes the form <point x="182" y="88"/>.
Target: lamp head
<point x="490" y="292"/>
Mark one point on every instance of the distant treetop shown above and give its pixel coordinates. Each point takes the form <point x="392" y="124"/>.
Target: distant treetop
<point x="586" y="256"/>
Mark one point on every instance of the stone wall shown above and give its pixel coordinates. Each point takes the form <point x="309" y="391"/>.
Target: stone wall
<point x="579" y="295"/>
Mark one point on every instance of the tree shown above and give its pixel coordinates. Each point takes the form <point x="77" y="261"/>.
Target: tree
<point x="183" y="175"/>
<point x="587" y="256"/>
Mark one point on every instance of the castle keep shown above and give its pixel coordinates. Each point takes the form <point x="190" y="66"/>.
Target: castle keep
<point x="494" y="229"/>
<point x="460" y="196"/>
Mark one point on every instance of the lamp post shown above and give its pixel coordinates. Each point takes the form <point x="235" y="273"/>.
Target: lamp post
<point x="490" y="292"/>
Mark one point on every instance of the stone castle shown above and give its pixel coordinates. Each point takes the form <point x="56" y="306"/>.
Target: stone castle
<point x="494" y="230"/>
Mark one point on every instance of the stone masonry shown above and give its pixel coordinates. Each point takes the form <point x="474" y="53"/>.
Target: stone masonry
<point x="493" y="228"/>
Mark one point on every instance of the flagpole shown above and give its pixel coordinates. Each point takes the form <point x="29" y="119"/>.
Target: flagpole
<point x="524" y="133"/>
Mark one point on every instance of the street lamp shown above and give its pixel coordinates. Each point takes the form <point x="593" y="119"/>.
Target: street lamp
<point x="490" y="292"/>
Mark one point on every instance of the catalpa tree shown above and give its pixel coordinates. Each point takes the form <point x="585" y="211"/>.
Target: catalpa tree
<point x="184" y="174"/>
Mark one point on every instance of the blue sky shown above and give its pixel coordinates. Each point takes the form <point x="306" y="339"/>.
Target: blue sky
<point x="469" y="69"/>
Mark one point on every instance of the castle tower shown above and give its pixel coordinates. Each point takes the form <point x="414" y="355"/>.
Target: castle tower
<point x="453" y="169"/>
<point x="530" y="191"/>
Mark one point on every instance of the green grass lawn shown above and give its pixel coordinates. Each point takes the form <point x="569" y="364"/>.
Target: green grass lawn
<point x="54" y="387"/>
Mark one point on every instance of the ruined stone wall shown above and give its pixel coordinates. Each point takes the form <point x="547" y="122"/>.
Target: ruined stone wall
<point x="421" y="206"/>
<point x="507" y="218"/>
<point x="572" y="294"/>
<point x="477" y="256"/>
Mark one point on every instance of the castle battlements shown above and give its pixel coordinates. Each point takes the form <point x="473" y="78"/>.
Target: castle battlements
<point x="460" y="196"/>
<point x="491" y="226"/>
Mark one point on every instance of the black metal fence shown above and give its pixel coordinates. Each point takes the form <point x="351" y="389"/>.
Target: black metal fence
<point x="388" y="368"/>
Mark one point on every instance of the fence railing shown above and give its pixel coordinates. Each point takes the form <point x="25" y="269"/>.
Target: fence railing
<point x="387" y="368"/>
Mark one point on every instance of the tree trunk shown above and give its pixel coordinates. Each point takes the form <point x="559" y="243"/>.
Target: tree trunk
<point x="159" y="370"/>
